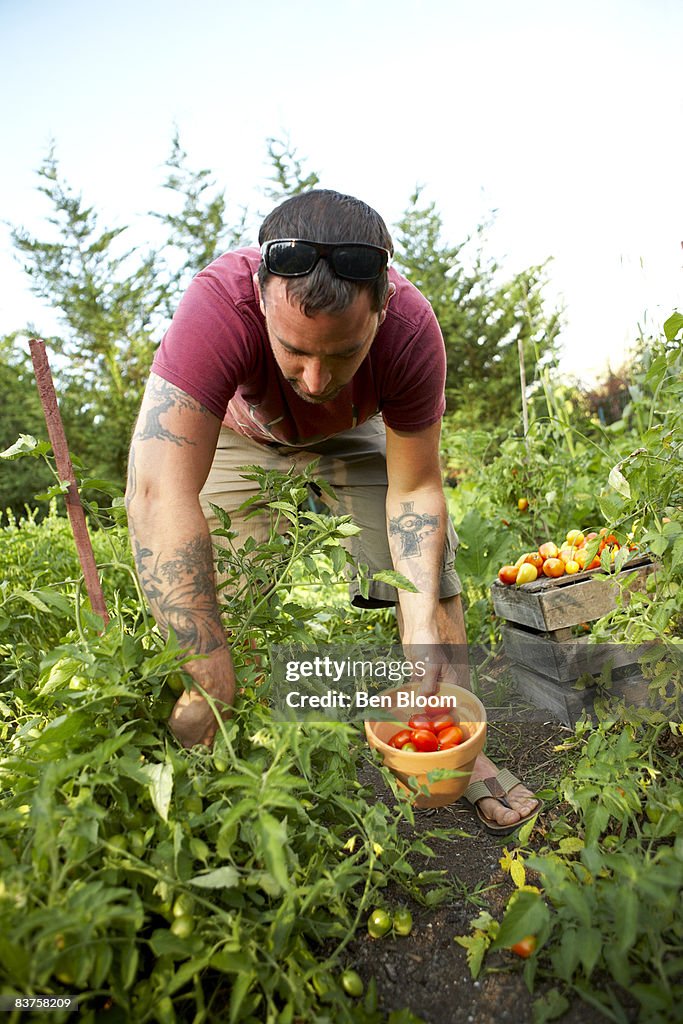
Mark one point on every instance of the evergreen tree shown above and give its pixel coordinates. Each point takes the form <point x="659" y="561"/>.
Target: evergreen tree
<point x="20" y="413"/>
<point x="482" y="316"/>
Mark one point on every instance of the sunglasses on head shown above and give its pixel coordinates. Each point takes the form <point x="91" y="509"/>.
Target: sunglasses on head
<point x="296" y="257"/>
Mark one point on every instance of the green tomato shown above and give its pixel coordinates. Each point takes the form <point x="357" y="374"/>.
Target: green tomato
<point x="183" y="926"/>
<point x="403" y="922"/>
<point x="379" y="923"/>
<point x="136" y="840"/>
<point x="175" y="683"/>
<point x="199" y="849"/>
<point x="119" y="842"/>
<point x="352" y="984"/>
<point x="379" y="879"/>
<point x="183" y="905"/>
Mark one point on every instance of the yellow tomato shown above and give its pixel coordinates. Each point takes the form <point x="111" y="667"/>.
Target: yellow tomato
<point x="571" y="567"/>
<point x="527" y="573"/>
<point x="575" y="537"/>
<point x="567" y="554"/>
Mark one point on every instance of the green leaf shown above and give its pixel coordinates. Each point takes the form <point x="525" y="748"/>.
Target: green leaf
<point x="338" y="556"/>
<point x="476" y="946"/>
<point x="62" y="727"/>
<point x="32" y="599"/>
<point x="626" y="919"/>
<point x="571" y="844"/>
<point x="549" y="1007"/>
<point x="238" y="991"/>
<point x="590" y="942"/>
<point x="273" y="836"/>
<point x="226" y="877"/>
<point x="566" y="958"/>
<point x="25" y="445"/>
<point x="526" y="914"/>
<point x="673" y="325"/>
<point x="347" y="529"/>
<point x="395" y="579"/>
<point x="526" y="830"/>
<point x="618" y="481"/>
<point x="160" y="786"/>
<point x="61" y="487"/>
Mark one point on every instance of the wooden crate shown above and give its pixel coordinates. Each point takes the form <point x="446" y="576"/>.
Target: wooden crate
<point x="546" y="658"/>
<point x="567" y="704"/>
<point x="549" y="605"/>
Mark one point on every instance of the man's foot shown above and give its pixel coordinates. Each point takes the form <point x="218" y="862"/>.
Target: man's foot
<point x="522" y="801"/>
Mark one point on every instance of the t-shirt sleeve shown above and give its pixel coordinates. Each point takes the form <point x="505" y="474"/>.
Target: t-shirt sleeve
<point x="414" y="394"/>
<point x="209" y="347"/>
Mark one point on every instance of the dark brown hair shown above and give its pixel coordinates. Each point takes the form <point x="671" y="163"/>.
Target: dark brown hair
<point x="323" y="215"/>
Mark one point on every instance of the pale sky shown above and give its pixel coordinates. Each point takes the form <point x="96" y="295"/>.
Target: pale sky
<point x="565" y="117"/>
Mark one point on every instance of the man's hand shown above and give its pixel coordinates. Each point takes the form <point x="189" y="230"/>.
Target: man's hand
<point x="193" y="719"/>
<point x="427" y="650"/>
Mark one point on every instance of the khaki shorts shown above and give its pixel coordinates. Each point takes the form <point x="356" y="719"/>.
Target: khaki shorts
<point x="354" y="463"/>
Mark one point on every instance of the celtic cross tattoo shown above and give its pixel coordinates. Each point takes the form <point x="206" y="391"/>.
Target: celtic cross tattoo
<point x="412" y="527"/>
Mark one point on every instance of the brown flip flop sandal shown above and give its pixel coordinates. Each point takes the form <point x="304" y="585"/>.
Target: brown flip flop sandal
<point x="497" y="786"/>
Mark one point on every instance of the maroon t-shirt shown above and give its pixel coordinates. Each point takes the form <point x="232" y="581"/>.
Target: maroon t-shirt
<point x="217" y="350"/>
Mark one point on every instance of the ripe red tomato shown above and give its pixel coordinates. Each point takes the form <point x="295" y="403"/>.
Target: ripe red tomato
<point x="442" y="721"/>
<point x="424" y="740"/>
<point x="449" y="738"/>
<point x="420" y="722"/>
<point x="400" y="738"/>
<point x="508" y="574"/>
<point x="535" y="559"/>
<point x="525" y="946"/>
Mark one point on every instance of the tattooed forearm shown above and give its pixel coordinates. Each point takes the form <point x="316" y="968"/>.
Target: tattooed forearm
<point x="412" y="528"/>
<point x="162" y="397"/>
<point x="182" y="592"/>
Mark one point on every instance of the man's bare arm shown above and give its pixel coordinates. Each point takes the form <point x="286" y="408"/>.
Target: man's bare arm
<point x="416" y="522"/>
<point x="171" y="454"/>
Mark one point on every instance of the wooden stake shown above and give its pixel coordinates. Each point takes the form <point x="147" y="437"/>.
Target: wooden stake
<point x="55" y="430"/>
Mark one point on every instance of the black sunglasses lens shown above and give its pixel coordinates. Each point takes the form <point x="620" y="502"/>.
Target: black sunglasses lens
<point x="291" y="259"/>
<point x="358" y="264"/>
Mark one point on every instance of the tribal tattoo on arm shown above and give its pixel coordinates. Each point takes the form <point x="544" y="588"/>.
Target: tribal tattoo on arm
<point x="167" y="397"/>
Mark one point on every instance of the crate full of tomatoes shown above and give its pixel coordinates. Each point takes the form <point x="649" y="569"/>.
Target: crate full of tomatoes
<point x="579" y="553"/>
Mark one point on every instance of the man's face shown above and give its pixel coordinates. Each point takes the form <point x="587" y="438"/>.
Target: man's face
<point x="318" y="355"/>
